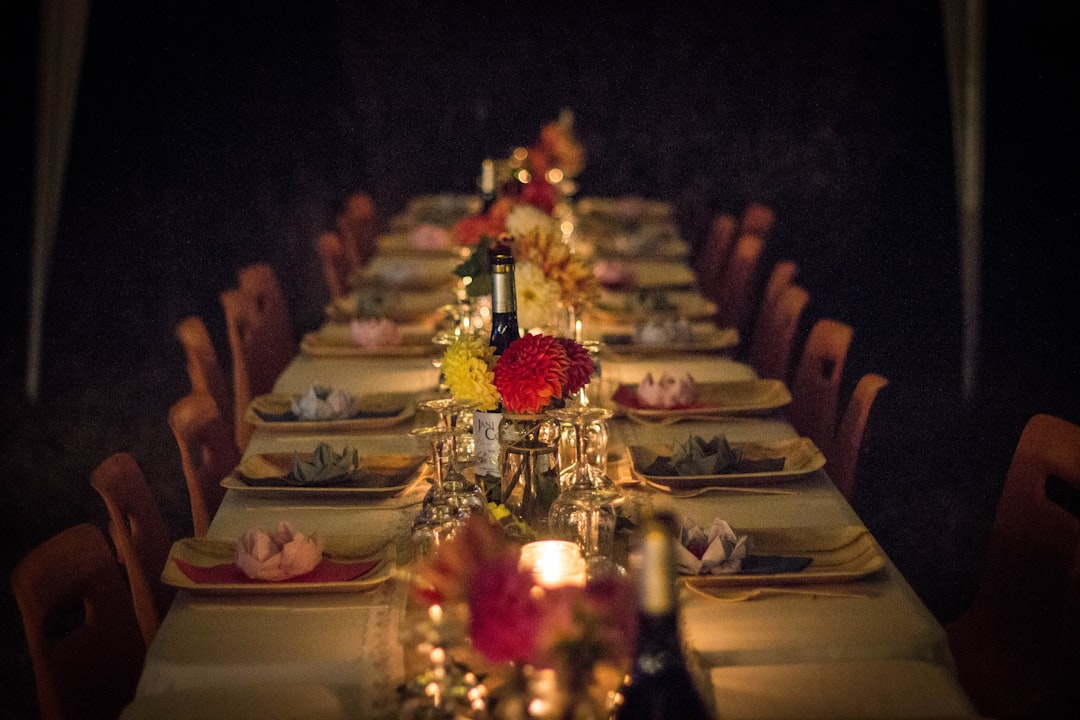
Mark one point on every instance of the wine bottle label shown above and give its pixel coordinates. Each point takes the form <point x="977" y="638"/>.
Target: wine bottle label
<point x="657" y="588"/>
<point x="486" y="442"/>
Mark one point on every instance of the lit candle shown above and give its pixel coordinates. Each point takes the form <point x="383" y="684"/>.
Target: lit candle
<point x="553" y="563"/>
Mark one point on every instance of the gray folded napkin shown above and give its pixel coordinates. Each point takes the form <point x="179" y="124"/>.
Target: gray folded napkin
<point x="326" y="465"/>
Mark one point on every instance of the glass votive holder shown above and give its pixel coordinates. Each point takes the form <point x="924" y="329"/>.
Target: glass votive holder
<point x="554" y="563"/>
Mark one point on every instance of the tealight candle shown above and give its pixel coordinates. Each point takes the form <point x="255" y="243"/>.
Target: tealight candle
<point x="553" y="563"/>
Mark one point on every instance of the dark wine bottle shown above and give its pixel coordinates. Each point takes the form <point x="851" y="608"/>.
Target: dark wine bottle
<point x="504" y="322"/>
<point x="660" y="686"/>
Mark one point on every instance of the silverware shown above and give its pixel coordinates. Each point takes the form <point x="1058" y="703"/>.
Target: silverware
<point x="773" y="591"/>
<point x="695" y="492"/>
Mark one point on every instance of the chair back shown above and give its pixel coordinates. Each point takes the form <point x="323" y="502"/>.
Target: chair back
<point x="203" y="366"/>
<point x="259" y="355"/>
<point x="139" y="535"/>
<point x="358" y="226"/>
<point x="207" y="455"/>
<point x="735" y="296"/>
<point x="782" y="277"/>
<point x="260" y="282"/>
<point x="758" y="219"/>
<point x="774" y="333"/>
<point x="1016" y="646"/>
<point x="815" y="389"/>
<point x="84" y="642"/>
<point x="335" y="265"/>
<point x="848" y="443"/>
<point x="713" y="257"/>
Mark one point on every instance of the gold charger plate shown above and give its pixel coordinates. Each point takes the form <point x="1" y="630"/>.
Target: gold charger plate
<point x="715" y="399"/>
<point x="207" y="552"/>
<point x="401" y="306"/>
<point x="713" y="341"/>
<point x="378" y="410"/>
<point x="838" y="554"/>
<point x="414" y="271"/>
<point x="334" y="339"/>
<point x="801" y="457"/>
<point x="617" y="306"/>
<point x="378" y="476"/>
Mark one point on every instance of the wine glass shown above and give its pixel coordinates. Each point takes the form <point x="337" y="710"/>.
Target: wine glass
<point x="440" y="516"/>
<point x="585" y="511"/>
<point x="462" y="490"/>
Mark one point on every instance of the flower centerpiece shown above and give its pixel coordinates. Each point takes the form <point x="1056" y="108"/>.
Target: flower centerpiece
<point x="585" y="634"/>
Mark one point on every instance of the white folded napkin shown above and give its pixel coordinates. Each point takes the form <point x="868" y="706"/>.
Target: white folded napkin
<point x="655" y="331"/>
<point x="375" y="332"/>
<point x="280" y="556"/>
<point x="319" y="402"/>
<point x="667" y="392"/>
<point x="718" y="552"/>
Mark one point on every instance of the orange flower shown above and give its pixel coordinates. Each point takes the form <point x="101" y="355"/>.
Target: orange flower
<point x="531" y="372"/>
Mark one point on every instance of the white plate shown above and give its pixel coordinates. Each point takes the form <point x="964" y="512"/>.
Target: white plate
<point x="801" y="457"/>
<point x="208" y="552"/>
<point x="334" y="339"/>
<point x="378" y="410"/>
<point x="715" y="399"/>
<point x="389" y="474"/>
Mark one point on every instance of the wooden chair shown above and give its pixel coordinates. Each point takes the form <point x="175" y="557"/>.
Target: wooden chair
<point x="207" y="454"/>
<point x="758" y="219"/>
<point x="203" y="366"/>
<point x="847" y="446"/>
<point x="1016" y="647"/>
<point x="774" y="333"/>
<point x="259" y="354"/>
<point x="260" y="282"/>
<point x="358" y="226"/>
<point x="139" y="535"/>
<point x="713" y="257"/>
<point x="816" y="387"/>
<point x="85" y="647"/>
<point x="782" y="277"/>
<point x="336" y="266"/>
<point x="735" y="296"/>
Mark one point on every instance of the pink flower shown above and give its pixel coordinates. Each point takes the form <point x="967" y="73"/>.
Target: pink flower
<point x="503" y="614"/>
<point x="581" y="366"/>
<point x="531" y="372"/>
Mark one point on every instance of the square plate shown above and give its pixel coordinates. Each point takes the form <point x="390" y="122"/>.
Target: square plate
<point x="379" y="476"/>
<point x="378" y="410"/>
<point x="801" y="457"/>
<point x="398" y="305"/>
<point x="334" y="339"/>
<point x="616" y="306"/>
<point x="739" y="397"/>
<point x="208" y="552"/>
<point x="710" y="340"/>
<point x="839" y="554"/>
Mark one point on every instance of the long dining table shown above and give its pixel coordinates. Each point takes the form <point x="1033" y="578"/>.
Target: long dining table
<point x="867" y="647"/>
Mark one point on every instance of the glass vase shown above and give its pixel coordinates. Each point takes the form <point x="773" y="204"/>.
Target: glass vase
<point x="529" y="466"/>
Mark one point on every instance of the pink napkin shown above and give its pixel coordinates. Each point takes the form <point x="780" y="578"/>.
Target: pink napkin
<point x="716" y="552"/>
<point x="614" y="274"/>
<point x="375" y="332"/>
<point x="667" y="392"/>
<point x="429" y="237"/>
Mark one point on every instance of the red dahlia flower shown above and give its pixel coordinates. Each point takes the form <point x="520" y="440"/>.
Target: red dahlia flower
<point x="581" y="365"/>
<point x="531" y="372"/>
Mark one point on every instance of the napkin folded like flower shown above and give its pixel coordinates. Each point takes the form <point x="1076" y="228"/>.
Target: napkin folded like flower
<point x="704" y="457"/>
<point x="667" y="392"/>
<point x="279" y="556"/>
<point x="429" y="237"/>
<point x="375" y="332"/>
<point x="326" y="466"/>
<point x="716" y="552"/>
<point x="614" y="273"/>
<point x="319" y="402"/>
<point x="662" y="332"/>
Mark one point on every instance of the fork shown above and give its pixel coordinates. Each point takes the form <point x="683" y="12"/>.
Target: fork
<point x="695" y="492"/>
<point x="762" y="592"/>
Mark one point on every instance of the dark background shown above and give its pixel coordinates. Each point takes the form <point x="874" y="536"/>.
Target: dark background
<point x="211" y="135"/>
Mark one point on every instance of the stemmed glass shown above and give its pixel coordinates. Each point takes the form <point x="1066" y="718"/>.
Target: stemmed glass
<point x="585" y="511"/>
<point x="461" y="489"/>
<point x="441" y="515"/>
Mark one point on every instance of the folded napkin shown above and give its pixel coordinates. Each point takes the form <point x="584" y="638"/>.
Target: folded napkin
<point x="614" y="274"/>
<point x="429" y="237"/>
<point x="375" y="332"/>
<point x="325" y="467"/>
<point x="698" y="457"/>
<point x="664" y="331"/>
<point x="720" y="551"/>
<point x="319" y="402"/>
<point x="279" y="556"/>
<point x="667" y="392"/>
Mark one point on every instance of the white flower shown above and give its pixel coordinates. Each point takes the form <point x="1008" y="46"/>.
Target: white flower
<point x="524" y="219"/>
<point x="537" y="297"/>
